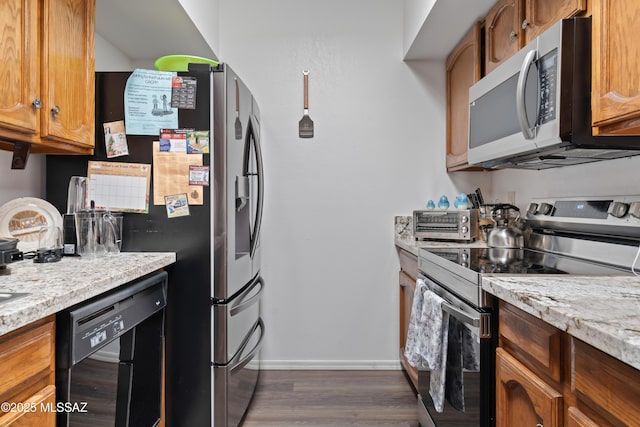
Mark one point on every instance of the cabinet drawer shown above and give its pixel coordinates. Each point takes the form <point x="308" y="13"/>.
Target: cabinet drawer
<point x="536" y="342"/>
<point x="600" y="379"/>
<point x="26" y="356"/>
<point x="37" y="411"/>
<point x="408" y="263"/>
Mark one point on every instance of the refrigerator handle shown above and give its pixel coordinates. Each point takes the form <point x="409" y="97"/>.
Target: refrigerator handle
<point x="251" y="139"/>
<point x="236" y="363"/>
<point x="246" y="299"/>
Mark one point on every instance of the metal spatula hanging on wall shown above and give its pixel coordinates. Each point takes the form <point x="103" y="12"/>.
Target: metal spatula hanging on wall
<point x="305" y="126"/>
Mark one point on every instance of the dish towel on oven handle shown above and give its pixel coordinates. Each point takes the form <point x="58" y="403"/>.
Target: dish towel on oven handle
<point x="427" y="336"/>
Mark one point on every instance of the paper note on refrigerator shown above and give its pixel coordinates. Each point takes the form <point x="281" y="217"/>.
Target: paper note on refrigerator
<point x="119" y="186"/>
<point x="147" y="102"/>
<point x="171" y="175"/>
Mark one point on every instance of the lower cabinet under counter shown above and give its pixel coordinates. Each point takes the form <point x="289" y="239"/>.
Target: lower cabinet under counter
<point x="407" y="281"/>
<point x="558" y="380"/>
<point x="27" y="375"/>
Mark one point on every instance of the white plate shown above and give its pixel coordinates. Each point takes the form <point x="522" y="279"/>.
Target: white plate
<point x="26" y="217"/>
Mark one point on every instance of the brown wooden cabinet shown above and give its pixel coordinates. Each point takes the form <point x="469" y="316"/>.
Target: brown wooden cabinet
<point x="502" y="33"/>
<point x="27" y="375"/>
<point x="511" y="24"/>
<point x="545" y="376"/>
<point x="407" y="278"/>
<point x="538" y="15"/>
<point x="463" y="70"/>
<point x="615" y="99"/>
<point x="47" y="97"/>
<point x="522" y="398"/>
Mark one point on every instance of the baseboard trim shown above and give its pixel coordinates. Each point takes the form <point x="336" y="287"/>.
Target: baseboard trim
<point x="331" y="365"/>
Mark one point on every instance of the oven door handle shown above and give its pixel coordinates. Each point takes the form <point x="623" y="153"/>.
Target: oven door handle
<point x="461" y="315"/>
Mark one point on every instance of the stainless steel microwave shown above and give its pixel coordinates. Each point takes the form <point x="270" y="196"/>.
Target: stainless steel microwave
<point x="534" y="110"/>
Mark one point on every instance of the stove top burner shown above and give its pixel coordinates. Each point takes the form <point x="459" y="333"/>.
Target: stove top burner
<point x="522" y="261"/>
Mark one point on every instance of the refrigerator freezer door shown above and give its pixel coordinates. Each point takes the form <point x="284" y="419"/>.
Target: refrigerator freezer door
<point x="234" y="384"/>
<point x="234" y="320"/>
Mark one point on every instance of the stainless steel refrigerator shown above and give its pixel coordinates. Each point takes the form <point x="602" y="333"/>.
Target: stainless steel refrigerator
<point x="213" y="325"/>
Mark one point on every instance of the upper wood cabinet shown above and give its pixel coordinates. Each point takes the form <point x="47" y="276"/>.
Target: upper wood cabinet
<point x="47" y="98"/>
<point x="541" y="14"/>
<point x="501" y="26"/>
<point x="615" y="95"/>
<point x="463" y="70"/>
<point x="511" y="24"/>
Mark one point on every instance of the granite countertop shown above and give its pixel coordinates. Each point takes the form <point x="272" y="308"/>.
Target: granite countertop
<point x="55" y="286"/>
<point x="602" y="311"/>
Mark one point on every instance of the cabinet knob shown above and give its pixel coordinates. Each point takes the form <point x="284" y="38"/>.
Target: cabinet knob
<point x="525" y="24"/>
<point x="55" y="110"/>
<point x="513" y="35"/>
<point x="539" y="425"/>
<point x="37" y="104"/>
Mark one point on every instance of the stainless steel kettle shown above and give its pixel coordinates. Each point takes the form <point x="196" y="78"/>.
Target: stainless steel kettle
<point x="505" y="234"/>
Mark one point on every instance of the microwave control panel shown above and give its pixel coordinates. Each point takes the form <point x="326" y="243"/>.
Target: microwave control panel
<point x="548" y="72"/>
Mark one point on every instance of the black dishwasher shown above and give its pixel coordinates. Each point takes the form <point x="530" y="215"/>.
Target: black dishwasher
<point x="121" y="391"/>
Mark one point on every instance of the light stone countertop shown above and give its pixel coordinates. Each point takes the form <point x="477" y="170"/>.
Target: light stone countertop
<point x="56" y="286"/>
<point x="602" y="311"/>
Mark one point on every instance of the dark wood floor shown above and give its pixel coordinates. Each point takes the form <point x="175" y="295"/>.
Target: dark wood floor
<point x="286" y="398"/>
<point x="332" y="399"/>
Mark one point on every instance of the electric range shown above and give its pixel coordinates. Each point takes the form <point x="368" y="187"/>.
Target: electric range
<point x="567" y="236"/>
<point x="579" y="236"/>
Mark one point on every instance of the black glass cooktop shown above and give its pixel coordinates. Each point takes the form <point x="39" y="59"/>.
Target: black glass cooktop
<point x="523" y="261"/>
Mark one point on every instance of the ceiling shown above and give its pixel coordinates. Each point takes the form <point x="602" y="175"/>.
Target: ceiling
<point x="147" y="29"/>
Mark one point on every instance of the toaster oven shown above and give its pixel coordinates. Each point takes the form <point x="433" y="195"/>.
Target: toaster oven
<point x="458" y="225"/>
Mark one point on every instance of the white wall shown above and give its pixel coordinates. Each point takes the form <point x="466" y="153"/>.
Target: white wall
<point x="611" y="177"/>
<point x="328" y="256"/>
<point x="27" y="182"/>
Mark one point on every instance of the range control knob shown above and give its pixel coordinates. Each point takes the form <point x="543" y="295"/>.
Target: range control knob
<point x="465" y="229"/>
<point x="634" y="209"/>
<point x="533" y="209"/>
<point x="618" y="209"/>
<point x="464" y="256"/>
<point x="545" y="208"/>
<point x="464" y="219"/>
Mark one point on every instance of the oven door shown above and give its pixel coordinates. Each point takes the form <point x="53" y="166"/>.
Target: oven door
<point x="470" y="385"/>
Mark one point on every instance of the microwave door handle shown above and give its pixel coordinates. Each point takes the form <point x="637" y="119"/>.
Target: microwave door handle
<point x="520" y="101"/>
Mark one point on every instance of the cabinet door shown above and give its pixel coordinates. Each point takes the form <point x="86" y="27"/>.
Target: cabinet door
<point x="19" y="67"/>
<point x="522" y="398"/>
<point x="407" y="288"/>
<point x="502" y="28"/>
<point x="68" y="71"/>
<point x="463" y="70"/>
<point x="575" y="418"/>
<point x="541" y="14"/>
<point x="615" y="95"/>
<point x="39" y="411"/>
